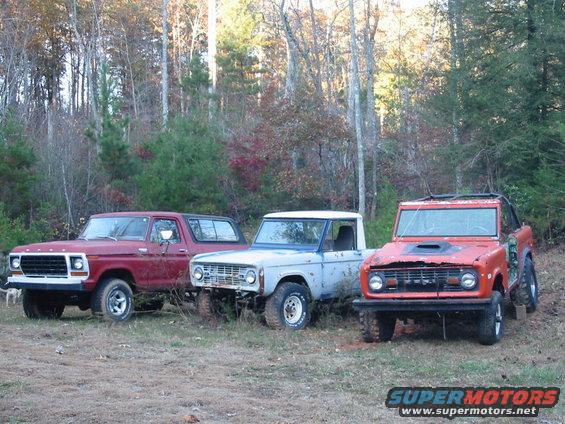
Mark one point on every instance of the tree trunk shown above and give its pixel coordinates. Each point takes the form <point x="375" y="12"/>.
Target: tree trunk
<point x="318" y="77"/>
<point x="371" y="116"/>
<point x="453" y="10"/>
<point x="212" y="66"/>
<point x="291" y="54"/>
<point x="358" y="119"/>
<point x="165" y="64"/>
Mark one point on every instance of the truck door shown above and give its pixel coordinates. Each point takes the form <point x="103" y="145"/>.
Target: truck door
<point x="341" y="260"/>
<point x="169" y="258"/>
<point x="515" y="237"/>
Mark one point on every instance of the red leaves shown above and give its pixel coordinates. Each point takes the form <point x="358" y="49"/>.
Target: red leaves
<point x="246" y="160"/>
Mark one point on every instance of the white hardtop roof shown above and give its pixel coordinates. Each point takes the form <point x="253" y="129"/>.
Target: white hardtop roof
<point x="315" y="215"/>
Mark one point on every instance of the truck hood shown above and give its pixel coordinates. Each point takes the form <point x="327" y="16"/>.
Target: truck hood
<point x="245" y="257"/>
<point x="431" y="252"/>
<point x="89" y="247"/>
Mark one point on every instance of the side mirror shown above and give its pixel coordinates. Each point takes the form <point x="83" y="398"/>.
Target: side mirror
<point x="166" y="235"/>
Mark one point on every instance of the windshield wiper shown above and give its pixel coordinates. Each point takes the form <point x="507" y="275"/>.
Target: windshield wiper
<point x="107" y="237"/>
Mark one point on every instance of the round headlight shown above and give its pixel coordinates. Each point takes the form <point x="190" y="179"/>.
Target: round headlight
<point x="468" y="280"/>
<point x="78" y="263"/>
<point x="376" y="283"/>
<point x="198" y="273"/>
<point x="250" y="276"/>
<point x="15" y="263"/>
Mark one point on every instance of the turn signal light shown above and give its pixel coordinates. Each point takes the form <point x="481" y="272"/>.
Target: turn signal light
<point x="391" y="282"/>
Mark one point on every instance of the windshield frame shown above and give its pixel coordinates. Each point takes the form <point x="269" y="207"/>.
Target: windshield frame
<point x="306" y="247"/>
<point x="496" y="208"/>
<point x="147" y="230"/>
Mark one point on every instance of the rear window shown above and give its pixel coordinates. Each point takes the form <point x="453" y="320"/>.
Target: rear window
<point x="212" y="230"/>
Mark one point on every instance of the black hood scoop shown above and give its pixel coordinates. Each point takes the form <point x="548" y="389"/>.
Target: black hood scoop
<point x="430" y="248"/>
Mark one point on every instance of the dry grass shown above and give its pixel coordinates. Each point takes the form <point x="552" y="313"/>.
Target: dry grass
<point x="164" y="367"/>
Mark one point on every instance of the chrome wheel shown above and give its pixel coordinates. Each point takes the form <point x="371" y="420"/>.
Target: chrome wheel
<point x="498" y="319"/>
<point x="117" y="302"/>
<point x="292" y="309"/>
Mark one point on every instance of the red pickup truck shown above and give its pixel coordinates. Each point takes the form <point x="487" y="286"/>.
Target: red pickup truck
<point x="117" y="257"/>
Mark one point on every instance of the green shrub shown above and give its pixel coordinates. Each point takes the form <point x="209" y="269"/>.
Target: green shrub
<point x="379" y="230"/>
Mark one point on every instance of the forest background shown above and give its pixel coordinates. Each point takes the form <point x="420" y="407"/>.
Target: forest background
<point x="243" y="107"/>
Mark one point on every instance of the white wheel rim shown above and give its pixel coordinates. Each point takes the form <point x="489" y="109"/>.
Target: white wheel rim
<point x="533" y="288"/>
<point x="498" y="319"/>
<point x="117" y="302"/>
<point x="292" y="309"/>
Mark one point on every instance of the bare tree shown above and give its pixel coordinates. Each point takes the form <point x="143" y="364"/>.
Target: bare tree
<point x="165" y="64"/>
<point x="358" y="119"/>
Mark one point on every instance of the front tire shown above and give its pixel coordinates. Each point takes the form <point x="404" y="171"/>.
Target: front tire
<point x="36" y="307"/>
<point x="206" y="306"/>
<point x="527" y="292"/>
<point x="113" y="299"/>
<point x="288" y="307"/>
<point x="377" y="328"/>
<point x="491" y="322"/>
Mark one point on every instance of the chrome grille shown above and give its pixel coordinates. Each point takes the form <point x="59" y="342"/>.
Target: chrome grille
<point x="224" y="274"/>
<point x="43" y="265"/>
<point x="423" y="279"/>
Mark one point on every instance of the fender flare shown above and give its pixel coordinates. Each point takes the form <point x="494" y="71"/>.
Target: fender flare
<point x="291" y="273"/>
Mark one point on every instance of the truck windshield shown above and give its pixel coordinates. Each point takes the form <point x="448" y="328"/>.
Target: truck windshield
<point x="291" y="232"/>
<point x="460" y="222"/>
<point x="116" y="228"/>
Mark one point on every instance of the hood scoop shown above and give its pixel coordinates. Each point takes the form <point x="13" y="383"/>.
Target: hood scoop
<point x="429" y="248"/>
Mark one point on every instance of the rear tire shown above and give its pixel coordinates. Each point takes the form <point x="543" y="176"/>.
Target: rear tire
<point x="377" y="327"/>
<point x="150" y="305"/>
<point x="288" y="307"/>
<point x="527" y="292"/>
<point x="113" y="299"/>
<point x="36" y="307"/>
<point x="491" y="322"/>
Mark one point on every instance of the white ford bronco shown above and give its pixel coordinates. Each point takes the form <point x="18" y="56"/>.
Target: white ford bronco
<point x="295" y="259"/>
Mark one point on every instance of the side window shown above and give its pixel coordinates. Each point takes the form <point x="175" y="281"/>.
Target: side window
<point x="208" y="230"/>
<point x="341" y="236"/>
<point x="225" y="231"/>
<point x="165" y="224"/>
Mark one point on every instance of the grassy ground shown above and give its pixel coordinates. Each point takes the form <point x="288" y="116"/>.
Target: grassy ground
<point x="168" y="367"/>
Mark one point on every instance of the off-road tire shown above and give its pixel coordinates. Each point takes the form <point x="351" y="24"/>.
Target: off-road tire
<point x="293" y="297"/>
<point x="369" y="326"/>
<point x="488" y="333"/>
<point x="206" y="307"/>
<point x="37" y="308"/>
<point x="526" y="294"/>
<point x="377" y="327"/>
<point x="113" y="300"/>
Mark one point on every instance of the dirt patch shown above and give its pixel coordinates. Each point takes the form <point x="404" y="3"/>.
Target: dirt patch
<point x="167" y="368"/>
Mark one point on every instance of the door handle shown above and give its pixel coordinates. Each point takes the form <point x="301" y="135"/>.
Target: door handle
<point x="142" y="250"/>
<point x="183" y="250"/>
